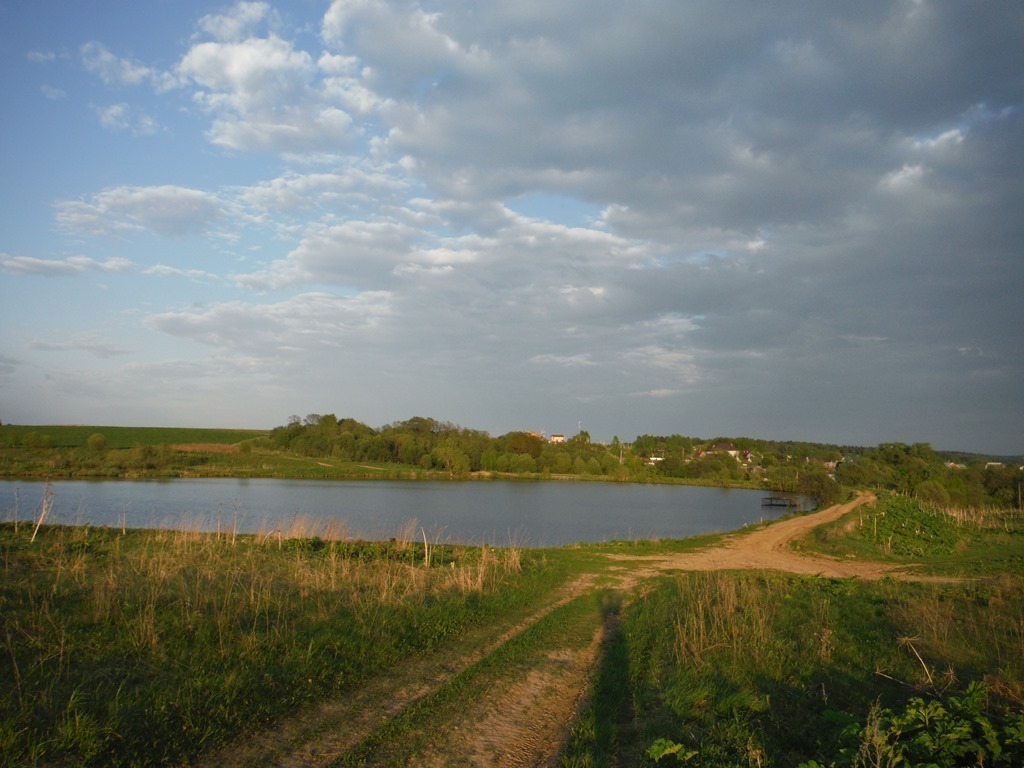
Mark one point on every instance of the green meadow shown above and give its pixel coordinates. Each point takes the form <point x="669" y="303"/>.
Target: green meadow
<point x="77" y="436"/>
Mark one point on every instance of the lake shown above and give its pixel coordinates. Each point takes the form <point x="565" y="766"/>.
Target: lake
<point x="526" y="513"/>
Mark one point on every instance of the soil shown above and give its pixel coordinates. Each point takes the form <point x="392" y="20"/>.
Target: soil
<point x="524" y="722"/>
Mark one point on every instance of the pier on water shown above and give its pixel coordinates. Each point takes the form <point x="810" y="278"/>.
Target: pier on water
<point x="779" y="501"/>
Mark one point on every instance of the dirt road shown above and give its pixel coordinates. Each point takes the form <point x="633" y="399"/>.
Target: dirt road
<point x="523" y="719"/>
<point x="769" y="549"/>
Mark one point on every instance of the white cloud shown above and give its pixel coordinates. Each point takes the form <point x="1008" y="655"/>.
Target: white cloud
<point x="903" y="178"/>
<point x="337" y="64"/>
<point x="945" y="140"/>
<point x="237" y="23"/>
<point x="85" y="342"/>
<point x="408" y="38"/>
<point x="355" y="188"/>
<point x="72" y="265"/>
<point x="563" y="361"/>
<point x="165" y="270"/>
<point x="112" y="69"/>
<point x="307" y="321"/>
<point x="658" y="393"/>
<point x="248" y="76"/>
<point x="264" y="96"/>
<point x="419" y="270"/>
<point x="681" y="364"/>
<point x="355" y="253"/>
<point x="167" y="210"/>
<point x="122" y="117"/>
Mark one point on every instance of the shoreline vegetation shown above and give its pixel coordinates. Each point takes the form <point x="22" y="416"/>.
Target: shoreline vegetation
<point x="326" y="447"/>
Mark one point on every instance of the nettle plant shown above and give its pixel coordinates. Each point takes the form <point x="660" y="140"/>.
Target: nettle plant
<point x="924" y="734"/>
<point x="958" y="732"/>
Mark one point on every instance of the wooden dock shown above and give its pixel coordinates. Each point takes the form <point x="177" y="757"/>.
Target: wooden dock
<point x="779" y="501"/>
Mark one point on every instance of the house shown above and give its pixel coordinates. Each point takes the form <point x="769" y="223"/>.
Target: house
<point x="558" y="438"/>
<point x="725" y="448"/>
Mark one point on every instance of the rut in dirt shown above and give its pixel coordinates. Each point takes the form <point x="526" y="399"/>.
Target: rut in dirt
<point x="318" y="735"/>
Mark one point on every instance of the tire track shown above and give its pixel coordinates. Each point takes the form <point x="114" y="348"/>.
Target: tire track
<point x="319" y="734"/>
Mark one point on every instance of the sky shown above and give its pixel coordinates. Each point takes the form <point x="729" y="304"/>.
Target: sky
<point x="791" y="220"/>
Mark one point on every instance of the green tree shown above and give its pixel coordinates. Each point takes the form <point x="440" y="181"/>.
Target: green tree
<point x="523" y="442"/>
<point x="563" y="463"/>
<point x="489" y="459"/>
<point x="96" y="442"/>
<point x="815" y="482"/>
<point x="610" y="464"/>
<point x="522" y="463"/>
<point x="932" y="492"/>
<point x="450" y="457"/>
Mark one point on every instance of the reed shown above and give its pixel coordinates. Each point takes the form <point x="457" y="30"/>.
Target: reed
<point x="984" y="518"/>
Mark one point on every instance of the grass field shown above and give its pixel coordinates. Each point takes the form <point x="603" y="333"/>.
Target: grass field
<point x="145" y="648"/>
<point x="763" y="669"/>
<point x="759" y="669"/>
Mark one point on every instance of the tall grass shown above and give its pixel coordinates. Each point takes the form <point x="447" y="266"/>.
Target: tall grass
<point x="145" y="647"/>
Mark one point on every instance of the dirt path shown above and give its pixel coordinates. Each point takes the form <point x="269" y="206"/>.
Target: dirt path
<point x="769" y="548"/>
<point x="520" y="723"/>
<point x="319" y="734"/>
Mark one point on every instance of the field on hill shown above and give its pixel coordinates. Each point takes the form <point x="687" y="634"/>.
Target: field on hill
<point x="77" y="436"/>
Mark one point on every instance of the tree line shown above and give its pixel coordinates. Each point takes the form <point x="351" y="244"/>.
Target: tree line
<point x="425" y="447"/>
<point x="813" y="469"/>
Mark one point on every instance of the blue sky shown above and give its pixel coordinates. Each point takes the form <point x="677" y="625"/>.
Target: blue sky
<point x="799" y="221"/>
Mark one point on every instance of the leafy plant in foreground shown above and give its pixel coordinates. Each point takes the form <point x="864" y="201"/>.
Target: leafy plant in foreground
<point x="930" y="733"/>
<point x="665" y="748"/>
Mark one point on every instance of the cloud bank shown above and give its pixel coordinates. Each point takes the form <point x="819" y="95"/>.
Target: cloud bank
<point x="788" y="221"/>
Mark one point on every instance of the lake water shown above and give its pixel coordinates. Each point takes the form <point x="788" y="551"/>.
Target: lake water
<point x="535" y="514"/>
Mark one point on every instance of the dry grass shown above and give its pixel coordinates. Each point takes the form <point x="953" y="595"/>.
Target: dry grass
<point x="972" y="625"/>
<point x="725" y="613"/>
<point x="984" y="518"/>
